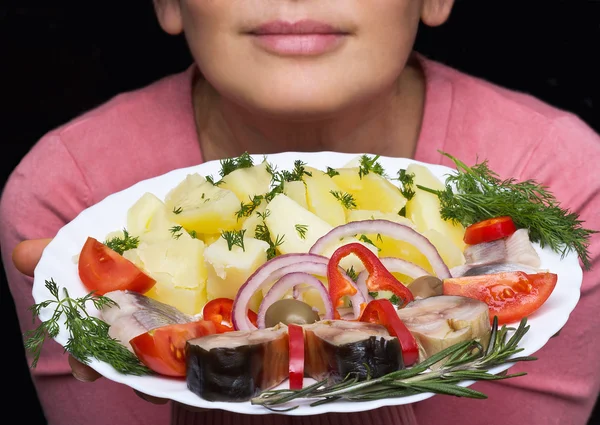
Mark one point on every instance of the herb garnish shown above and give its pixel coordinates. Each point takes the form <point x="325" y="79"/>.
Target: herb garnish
<point x="176" y="231"/>
<point x="123" y="244"/>
<point x="262" y="233"/>
<point x="88" y="335"/>
<point x="351" y="273"/>
<point x="406" y="184"/>
<point x="177" y="210"/>
<point x="463" y="361"/>
<point x="346" y="199"/>
<point x="368" y="165"/>
<point x="331" y="172"/>
<point x="247" y="209"/>
<point x="301" y="229"/>
<point x="234" y="237"/>
<point x="229" y="165"/>
<point x="480" y="195"/>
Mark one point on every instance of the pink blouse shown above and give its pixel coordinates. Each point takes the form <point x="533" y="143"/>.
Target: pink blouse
<point x="147" y="132"/>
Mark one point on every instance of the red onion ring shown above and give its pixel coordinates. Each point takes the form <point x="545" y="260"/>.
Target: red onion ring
<point x="386" y="228"/>
<point x="287" y="282"/>
<point x="393" y="265"/>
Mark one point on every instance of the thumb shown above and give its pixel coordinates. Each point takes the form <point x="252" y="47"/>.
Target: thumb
<point x="27" y="254"/>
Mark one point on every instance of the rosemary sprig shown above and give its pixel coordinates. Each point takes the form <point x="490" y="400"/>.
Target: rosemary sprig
<point x="477" y="193"/>
<point x="88" y="335"/>
<point x="123" y="244"/>
<point x="462" y="362"/>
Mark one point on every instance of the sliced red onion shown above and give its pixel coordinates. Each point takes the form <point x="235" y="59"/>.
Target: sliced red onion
<point x="393" y="265"/>
<point x="385" y="228"/>
<point x="287" y="282"/>
<point x="257" y="280"/>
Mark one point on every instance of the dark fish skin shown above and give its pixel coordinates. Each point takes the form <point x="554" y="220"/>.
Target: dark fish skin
<point x="372" y="356"/>
<point x="237" y="374"/>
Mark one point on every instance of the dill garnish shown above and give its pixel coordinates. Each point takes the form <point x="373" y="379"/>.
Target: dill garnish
<point x="229" y="165"/>
<point x="332" y="172"/>
<point x="464" y="361"/>
<point x="301" y="229"/>
<point x="247" y="209"/>
<point x="406" y="184"/>
<point x="368" y="165"/>
<point x="177" y="210"/>
<point x="123" y="244"/>
<point x="480" y="194"/>
<point x="234" y="237"/>
<point x="365" y="239"/>
<point x="262" y="233"/>
<point x="88" y="335"/>
<point x="351" y="273"/>
<point x="346" y="199"/>
<point x="279" y="178"/>
<point x="176" y="231"/>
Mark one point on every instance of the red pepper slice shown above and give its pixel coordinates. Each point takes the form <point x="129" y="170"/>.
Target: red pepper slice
<point x="219" y="311"/>
<point x="489" y="230"/>
<point x="384" y="313"/>
<point x="296" y="362"/>
<point x="380" y="279"/>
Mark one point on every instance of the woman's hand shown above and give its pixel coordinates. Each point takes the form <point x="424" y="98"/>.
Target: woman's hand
<point x="26" y="256"/>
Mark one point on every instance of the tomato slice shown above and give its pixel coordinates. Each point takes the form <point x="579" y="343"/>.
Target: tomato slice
<point x="489" y="230"/>
<point x="219" y="312"/>
<point x="163" y="349"/>
<point x="296" y="366"/>
<point x="384" y="313"/>
<point x="510" y="295"/>
<point x="103" y="270"/>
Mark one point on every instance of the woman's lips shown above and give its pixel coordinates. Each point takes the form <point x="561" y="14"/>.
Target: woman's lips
<point x="302" y="38"/>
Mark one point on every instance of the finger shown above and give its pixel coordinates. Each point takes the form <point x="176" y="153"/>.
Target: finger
<point x="27" y="254"/>
<point x="82" y="372"/>
<point x="151" y="399"/>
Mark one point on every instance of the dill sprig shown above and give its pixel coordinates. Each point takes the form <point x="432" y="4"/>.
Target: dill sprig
<point x="279" y="178"/>
<point x="262" y="233"/>
<point x="477" y="193"/>
<point x="301" y="230"/>
<point x="246" y="209"/>
<point x="88" y="335"/>
<point x="346" y="199"/>
<point x="406" y="181"/>
<point x="461" y="362"/>
<point x="368" y="165"/>
<point x="331" y="172"/>
<point x="234" y="238"/>
<point x="123" y="244"/>
<point x="229" y="165"/>
<point x="176" y="231"/>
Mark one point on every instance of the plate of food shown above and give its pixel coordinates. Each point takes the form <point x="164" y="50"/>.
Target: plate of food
<point x="306" y="283"/>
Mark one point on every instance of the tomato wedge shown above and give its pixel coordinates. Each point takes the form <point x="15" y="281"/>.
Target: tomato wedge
<point x="163" y="349"/>
<point x="384" y="313"/>
<point x="489" y="230"/>
<point x="296" y="366"/>
<point x="510" y="295"/>
<point x="103" y="270"/>
<point x="219" y="312"/>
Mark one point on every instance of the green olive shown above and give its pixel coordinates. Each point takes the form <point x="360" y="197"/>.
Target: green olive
<point x="288" y="311"/>
<point x="426" y="286"/>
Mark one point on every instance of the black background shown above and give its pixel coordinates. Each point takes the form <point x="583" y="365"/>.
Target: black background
<point x="59" y="59"/>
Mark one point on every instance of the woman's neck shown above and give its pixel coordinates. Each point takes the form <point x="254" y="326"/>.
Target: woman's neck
<point x="387" y="125"/>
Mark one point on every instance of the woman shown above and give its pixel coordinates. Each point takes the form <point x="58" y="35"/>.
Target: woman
<point x="308" y="75"/>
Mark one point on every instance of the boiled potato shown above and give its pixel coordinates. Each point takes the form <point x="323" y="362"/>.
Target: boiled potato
<point x="149" y="219"/>
<point x="186" y="300"/>
<point x="321" y="201"/>
<point x="298" y="227"/>
<point x="371" y="191"/>
<point x="248" y="182"/>
<point x="229" y="269"/>
<point x="296" y="190"/>
<point x="424" y="208"/>
<point x="198" y="205"/>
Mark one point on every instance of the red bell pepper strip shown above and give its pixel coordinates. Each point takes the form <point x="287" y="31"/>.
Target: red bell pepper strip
<point x="296" y="356"/>
<point x="219" y="311"/>
<point x="384" y="313"/>
<point x="380" y="279"/>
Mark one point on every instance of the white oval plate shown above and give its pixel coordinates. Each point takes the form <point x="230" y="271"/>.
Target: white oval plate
<point x="58" y="263"/>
